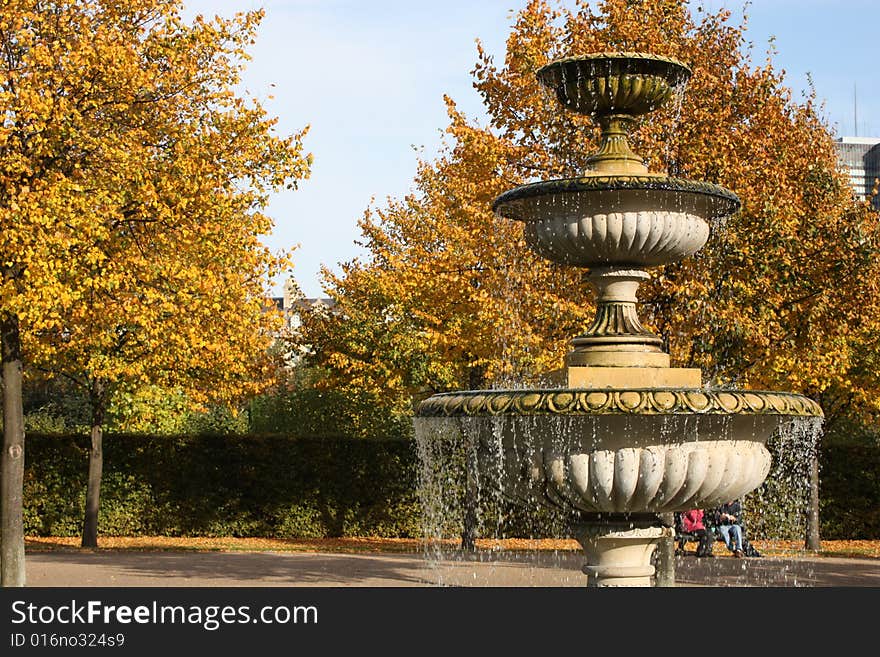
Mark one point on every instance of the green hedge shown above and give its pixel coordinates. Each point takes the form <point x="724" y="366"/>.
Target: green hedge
<point x="281" y="486"/>
<point x="273" y="486"/>
<point x="849" y="506"/>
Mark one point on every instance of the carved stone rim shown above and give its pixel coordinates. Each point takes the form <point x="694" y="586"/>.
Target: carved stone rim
<point x="635" y="401"/>
<point x="619" y="54"/>
<point x="723" y="202"/>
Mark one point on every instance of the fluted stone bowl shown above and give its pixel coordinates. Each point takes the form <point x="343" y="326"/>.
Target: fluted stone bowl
<point x="616" y="220"/>
<point x="622" y="451"/>
<point x="614" y="82"/>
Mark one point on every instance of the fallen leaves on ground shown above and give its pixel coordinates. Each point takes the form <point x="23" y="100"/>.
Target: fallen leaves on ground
<point x="848" y="549"/>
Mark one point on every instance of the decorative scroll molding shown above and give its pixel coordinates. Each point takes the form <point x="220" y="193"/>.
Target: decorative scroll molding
<point x="661" y="401"/>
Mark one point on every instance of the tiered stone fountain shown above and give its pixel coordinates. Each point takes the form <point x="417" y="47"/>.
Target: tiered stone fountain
<point x="630" y="437"/>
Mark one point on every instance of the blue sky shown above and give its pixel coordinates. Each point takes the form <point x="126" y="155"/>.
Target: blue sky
<point x="369" y="78"/>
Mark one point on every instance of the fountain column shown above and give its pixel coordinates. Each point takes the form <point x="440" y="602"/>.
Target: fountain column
<point x="619" y="553"/>
<point x="616" y="338"/>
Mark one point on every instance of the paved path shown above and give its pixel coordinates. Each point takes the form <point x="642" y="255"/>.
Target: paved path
<point x="297" y="569"/>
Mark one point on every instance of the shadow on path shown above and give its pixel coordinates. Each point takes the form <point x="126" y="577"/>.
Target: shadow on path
<point x="222" y="569"/>
<point x="776" y="572"/>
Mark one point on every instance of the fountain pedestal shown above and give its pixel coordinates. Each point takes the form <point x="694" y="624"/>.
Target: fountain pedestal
<point x="619" y="553"/>
<point x="616" y="338"/>
<point x="624" y="378"/>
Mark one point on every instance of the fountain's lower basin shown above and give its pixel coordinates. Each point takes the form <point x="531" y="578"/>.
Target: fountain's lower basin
<point x="620" y="451"/>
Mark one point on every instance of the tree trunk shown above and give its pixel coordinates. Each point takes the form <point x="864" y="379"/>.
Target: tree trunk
<point x="12" y="570"/>
<point x="812" y="541"/>
<point x="470" y="519"/>
<point x="97" y="398"/>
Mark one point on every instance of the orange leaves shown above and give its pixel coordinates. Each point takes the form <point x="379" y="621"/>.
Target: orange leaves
<point x="784" y="295"/>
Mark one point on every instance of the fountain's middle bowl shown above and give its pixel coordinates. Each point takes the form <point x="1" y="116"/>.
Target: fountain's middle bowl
<point x="628" y="220"/>
<point x="622" y="451"/>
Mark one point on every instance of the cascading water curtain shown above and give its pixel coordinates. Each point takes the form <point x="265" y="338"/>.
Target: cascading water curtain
<point x="778" y="508"/>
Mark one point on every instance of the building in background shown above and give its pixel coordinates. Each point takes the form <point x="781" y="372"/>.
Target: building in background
<point x="293" y="303"/>
<point x="861" y="156"/>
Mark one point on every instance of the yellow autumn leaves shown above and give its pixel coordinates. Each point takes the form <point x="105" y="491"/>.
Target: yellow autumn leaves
<point x="132" y="183"/>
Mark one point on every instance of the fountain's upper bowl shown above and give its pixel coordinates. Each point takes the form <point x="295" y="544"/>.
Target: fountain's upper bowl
<point x="617" y="214"/>
<point x="629" y="83"/>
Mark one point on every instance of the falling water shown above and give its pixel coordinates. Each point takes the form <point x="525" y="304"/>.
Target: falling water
<point x="670" y="162"/>
<point x="515" y="354"/>
<point x="441" y="491"/>
<point x="505" y="497"/>
<point x="493" y="467"/>
<point x="778" y="509"/>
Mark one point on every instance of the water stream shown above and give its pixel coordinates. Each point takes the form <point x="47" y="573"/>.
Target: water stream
<point x="492" y="467"/>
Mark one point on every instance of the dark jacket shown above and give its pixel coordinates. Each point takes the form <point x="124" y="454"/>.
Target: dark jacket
<point x="733" y="508"/>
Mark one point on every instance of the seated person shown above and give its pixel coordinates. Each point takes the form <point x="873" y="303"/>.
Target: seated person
<point x="692" y="523"/>
<point x="727" y="520"/>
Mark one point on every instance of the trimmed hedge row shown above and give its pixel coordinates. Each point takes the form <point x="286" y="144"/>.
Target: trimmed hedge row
<point x="272" y="486"/>
<point x="849" y="504"/>
<point x="282" y="486"/>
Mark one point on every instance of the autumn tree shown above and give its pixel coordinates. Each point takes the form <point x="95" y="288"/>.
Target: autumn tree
<point x="784" y="296"/>
<point x="132" y="183"/>
<point x="197" y="326"/>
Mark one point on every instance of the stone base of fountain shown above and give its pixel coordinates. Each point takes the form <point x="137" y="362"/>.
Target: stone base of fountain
<point x="619" y="552"/>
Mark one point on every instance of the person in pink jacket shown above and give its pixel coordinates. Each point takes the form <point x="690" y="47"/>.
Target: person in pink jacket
<point x="692" y="523"/>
